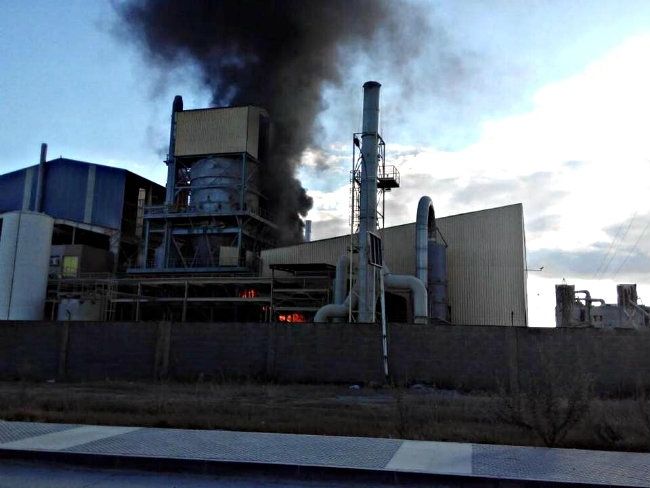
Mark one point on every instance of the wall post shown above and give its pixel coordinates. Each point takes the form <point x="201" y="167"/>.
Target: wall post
<point x="63" y="351"/>
<point x="163" y="344"/>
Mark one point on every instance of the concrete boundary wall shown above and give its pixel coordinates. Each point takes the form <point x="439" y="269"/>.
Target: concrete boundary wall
<point x="466" y="357"/>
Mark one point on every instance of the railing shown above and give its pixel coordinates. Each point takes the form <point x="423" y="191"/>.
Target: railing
<point x="178" y="263"/>
<point x="388" y="173"/>
<point x="193" y="209"/>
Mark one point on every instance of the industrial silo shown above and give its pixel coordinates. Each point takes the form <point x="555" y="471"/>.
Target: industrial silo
<point x="25" y="245"/>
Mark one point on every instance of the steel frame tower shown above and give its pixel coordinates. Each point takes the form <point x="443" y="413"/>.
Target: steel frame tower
<point x="370" y="179"/>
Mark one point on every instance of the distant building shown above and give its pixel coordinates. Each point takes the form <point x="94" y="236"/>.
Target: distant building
<point x="579" y="309"/>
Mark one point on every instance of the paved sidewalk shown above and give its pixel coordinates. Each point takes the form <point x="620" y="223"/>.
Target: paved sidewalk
<point x="352" y="453"/>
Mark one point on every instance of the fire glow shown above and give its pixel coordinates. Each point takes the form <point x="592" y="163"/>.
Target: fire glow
<point x="292" y="318"/>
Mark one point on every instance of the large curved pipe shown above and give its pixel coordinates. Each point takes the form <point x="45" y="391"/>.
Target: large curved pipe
<point x="418" y="293"/>
<point x="336" y="310"/>
<point x="425" y="230"/>
<point x="341" y="279"/>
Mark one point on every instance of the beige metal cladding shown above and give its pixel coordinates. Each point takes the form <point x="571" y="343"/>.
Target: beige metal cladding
<point x="485" y="262"/>
<point x="218" y="131"/>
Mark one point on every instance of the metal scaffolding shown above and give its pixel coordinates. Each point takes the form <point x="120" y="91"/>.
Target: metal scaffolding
<point x="290" y="294"/>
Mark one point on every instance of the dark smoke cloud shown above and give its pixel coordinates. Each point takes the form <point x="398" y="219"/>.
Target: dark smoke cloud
<point x="278" y="54"/>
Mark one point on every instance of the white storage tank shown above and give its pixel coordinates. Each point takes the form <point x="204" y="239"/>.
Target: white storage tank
<point x="25" y="245"/>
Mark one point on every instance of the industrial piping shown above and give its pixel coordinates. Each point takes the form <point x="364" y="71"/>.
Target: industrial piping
<point x="425" y="231"/>
<point x="336" y="310"/>
<point x="40" y="180"/>
<point x="340" y="281"/>
<point x="177" y="106"/>
<point x="417" y="289"/>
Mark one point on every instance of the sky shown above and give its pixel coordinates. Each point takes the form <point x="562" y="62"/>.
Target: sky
<point x="540" y="102"/>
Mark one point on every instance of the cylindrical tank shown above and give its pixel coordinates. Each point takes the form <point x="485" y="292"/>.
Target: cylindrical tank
<point x="437" y="285"/>
<point x="77" y="309"/>
<point x="216" y="185"/>
<point x="25" y="246"/>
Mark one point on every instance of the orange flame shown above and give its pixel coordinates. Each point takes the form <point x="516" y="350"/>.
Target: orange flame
<point x="292" y="317"/>
<point x="251" y="293"/>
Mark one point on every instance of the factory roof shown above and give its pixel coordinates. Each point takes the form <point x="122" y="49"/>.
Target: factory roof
<point x="75" y="190"/>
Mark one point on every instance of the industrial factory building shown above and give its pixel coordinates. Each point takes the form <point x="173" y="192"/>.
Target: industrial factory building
<point x="81" y="241"/>
<point x="577" y="308"/>
<point x="486" y="275"/>
<point x="94" y="207"/>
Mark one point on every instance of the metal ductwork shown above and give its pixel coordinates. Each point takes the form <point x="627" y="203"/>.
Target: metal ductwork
<point x="417" y="289"/>
<point x="434" y="279"/>
<point x="425" y="231"/>
<point x="341" y="306"/>
<point x="177" y="106"/>
<point x="431" y="260"/>
<point x="341" y="279"/>
<point x="337" y="310"/>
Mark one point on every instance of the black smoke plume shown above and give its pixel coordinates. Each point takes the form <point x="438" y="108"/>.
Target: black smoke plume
<point x="277" y="54"/>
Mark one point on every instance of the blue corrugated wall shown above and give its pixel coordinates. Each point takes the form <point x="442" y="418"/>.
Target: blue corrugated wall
<point x="65" y="190"/>
<point x="64" y="196"/>
<point x="11" y="190"/>
<point x="108" y="201"/>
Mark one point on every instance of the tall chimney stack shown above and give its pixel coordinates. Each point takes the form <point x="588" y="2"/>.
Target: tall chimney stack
<point x="40" y="179"/>
<point x="368" y="198"/>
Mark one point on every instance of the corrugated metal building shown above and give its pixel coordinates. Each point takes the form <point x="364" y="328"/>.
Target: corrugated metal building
<point x="486" y="262"/>
<point x="97" y="204"/>
<point x="75" y="190"/>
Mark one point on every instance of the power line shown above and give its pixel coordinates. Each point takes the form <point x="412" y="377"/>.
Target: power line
<point x="616" y="248"/>
<point x="613" y="248"/>
<point x="645" y="229"/>
<point x="609" y="249"/>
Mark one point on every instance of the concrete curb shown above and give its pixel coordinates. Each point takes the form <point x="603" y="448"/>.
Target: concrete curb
<point x="305" y="472"/>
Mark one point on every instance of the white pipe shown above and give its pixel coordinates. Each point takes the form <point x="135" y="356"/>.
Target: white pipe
<point x="336" y="310"/>
<point x="342" y="271"/>
<point x="425" y="230"/>
<point x="418" y="293"/>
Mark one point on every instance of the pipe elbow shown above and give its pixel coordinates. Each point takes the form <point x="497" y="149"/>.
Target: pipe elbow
<point x="425" y="230"/>
<point x="426" y="217"/>
<point x="330" y="311"/>
<point x="418" y="293"/>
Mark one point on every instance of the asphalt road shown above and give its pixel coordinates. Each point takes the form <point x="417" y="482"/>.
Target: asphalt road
<point x="30" y="474"/>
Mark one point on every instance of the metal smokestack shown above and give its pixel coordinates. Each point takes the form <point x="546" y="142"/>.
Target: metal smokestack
<point x="307" y="230"/>
<point x="368" y="198"/>
<point x="177" y="106"/>
<point x="40" y="179"/>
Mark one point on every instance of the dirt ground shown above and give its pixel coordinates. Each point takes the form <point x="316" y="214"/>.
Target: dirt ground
<point x="413" y="413"/>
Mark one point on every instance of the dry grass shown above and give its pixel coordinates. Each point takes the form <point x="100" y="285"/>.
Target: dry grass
<point x="425" y="414"/>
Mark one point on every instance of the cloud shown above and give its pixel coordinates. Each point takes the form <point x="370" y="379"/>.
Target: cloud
<point x="624" y="254"/>
<point x="574" y="164"/>
<point x="544" y="223"/>
<point x="329" y="228"/>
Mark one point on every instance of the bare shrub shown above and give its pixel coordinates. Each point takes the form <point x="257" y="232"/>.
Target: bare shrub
<point x="402" y="413"/>
<point x="606" y="431"/>
<point x="549" y="404"/>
